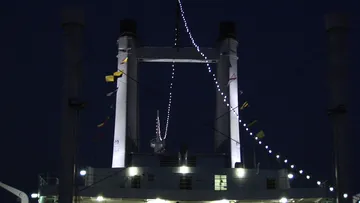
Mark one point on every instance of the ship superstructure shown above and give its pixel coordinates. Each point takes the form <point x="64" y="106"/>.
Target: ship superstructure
<point x="162" y="177"/>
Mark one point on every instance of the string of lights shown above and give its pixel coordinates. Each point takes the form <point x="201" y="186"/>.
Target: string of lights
<point x="260" y="142"/>
<point x="158" y="130"/>
<point x="170" y="94"/>
<point x="176" y="44"/>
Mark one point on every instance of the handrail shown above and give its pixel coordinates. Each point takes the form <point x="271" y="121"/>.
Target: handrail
<point x="48" y="180"/>
<point x="22" y="195"/>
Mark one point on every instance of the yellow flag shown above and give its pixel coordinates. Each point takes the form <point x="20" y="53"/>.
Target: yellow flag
<point x="125" y="60"/>
<point x="245" y="105"/>
<point x="260" y="134"/>
<point x="101" y="125"/>
<point x="109" y="78"/>
<point x="252" y="123"/>
<point x="118" y="73"/>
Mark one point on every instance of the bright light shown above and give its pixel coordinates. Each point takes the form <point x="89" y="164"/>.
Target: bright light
<point x="345" y="195"/>
<point x="283" y="200"/>
<point x="184" y="169"/>
<point x="157" y="200"/>
<point x="34" y="195"/>
<point x="285" y="161"/>
<point x="133" y="171"/>
<point x="270" y="151"/>
<point x="99" y="198"/>
<point x="331" y="189"/>
<point x="240" y="172"/>
<point x="82" y="172"/>
<point x="222" y="201"/>
<point x="301" y="171"/>
<point x="277" y="156"/>
<point x="290" y="176"/>
<point x="308" y="177"/>
<point x="318" y="183"/>
<point x="292" y="166"/>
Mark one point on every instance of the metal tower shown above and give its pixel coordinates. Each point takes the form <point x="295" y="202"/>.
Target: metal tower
<point x="73" y="26"/>
<point x="126" y="133"/>
<point x="337" y="30"/>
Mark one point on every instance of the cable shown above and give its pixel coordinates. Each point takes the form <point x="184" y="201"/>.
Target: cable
<point x="225" y="98"/>
<point x="101" y="180"/>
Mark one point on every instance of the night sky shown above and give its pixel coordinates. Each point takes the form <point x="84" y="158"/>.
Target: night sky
<point x="282" y="72"/>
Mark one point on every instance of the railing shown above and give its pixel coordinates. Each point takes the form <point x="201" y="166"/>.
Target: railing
<point x="48" y="180"/>
<point x="172" y="161"/>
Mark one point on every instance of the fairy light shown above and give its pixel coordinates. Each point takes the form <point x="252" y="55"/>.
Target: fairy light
<point x="171" y="86"/>
<point x="222" y="93"/>
<point x="158" y="128"/>
<point x="170" y="99"/>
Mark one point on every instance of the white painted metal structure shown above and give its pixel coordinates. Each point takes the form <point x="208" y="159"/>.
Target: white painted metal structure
<point x="119" y="152"/>
<point x="231" y="46"/>
<point x="126" y="114"/>
<point x="20" y="194"/>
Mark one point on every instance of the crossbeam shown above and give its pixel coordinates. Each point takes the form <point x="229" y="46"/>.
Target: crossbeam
<point x="177" y="55"/>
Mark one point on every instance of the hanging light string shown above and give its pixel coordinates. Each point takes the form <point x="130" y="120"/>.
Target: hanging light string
<point x="176" y="45"/>
<point x="284" y="160"/>
<point x="158" y="129"/>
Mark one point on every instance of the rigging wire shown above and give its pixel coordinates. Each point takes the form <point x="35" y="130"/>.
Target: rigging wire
<point x="301" y="172"/>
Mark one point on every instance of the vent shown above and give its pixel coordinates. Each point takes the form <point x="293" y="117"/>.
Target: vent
<point x="271" y="184"/>
<point x="191" y="161"/>
<point x="151" y="177"/>
<point x="185" y="183"/>
<point x="135" y="182"/>
<point x="169" y="161"/>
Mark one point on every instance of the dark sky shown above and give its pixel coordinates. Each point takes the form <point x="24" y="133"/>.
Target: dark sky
<point x="282" y="64"/>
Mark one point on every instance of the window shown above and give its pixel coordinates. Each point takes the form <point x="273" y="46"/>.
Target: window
<point x="185" y="183"/>
<point x="271" y="183"/>
<point x="220" y="182"/>
<point x="151" y="177"/>
<point x="135" y="182"/>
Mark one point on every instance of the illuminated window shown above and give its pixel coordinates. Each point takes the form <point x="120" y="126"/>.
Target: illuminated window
<point x="220" y="182"/>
